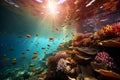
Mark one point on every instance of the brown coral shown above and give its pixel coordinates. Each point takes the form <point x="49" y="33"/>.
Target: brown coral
<point x="106" y="33"/>
<point x="51" y="61"/>
<point x="86" y="41"/>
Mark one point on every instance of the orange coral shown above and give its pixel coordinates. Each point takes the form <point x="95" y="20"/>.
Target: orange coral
<point x="106" y="33"/>
<point x="86" y="41"/>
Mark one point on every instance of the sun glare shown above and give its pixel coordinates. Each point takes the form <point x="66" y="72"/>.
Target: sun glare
<point x="52" y="7"/>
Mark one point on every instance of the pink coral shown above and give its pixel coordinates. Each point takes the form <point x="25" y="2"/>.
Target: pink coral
<point x="104" y="58"/>
<point x="61" y="54"/>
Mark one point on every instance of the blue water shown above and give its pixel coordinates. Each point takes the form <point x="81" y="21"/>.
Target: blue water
<point x="12" y="47"/>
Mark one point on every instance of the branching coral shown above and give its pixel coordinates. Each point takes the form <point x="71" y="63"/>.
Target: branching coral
<point x="104" y="57"/>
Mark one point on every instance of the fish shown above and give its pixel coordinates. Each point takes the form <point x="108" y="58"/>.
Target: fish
<point x="28" y="36"/>
<point x="60" y="46"/>
<point x="14" y="59"/>
<point x="31" y="65"/>
<point x="19" y="36"/>
<point x="42" y="75"/>
<point x="48" y="45"/>
<point x="56" y="28"/>
<point x="14" y="62"/>
<point x="37" y="35"/>
<point x="43" y="48"/>
<point x="44" y="52"/>
<point x="27" y="49"/>
<point x="34" y="70"/>
<point x="51" y="39"/>
<point x="23" y="57"/>
<point x="35" y="52"/>
<point x="5" y="59"/>
<point x="34" y="57"/>
<point x="23" y="53"/>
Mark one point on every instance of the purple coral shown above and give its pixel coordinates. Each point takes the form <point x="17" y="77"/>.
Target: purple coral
<point x="105" y="58"/>
<point x="61" y="54"/>
<point x="62" y="64"/>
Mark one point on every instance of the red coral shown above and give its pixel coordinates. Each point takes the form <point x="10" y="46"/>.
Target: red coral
<point x="116" y="28"/>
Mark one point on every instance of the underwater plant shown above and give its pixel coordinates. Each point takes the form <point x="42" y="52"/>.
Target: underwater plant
<point x="104" y="57"/>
